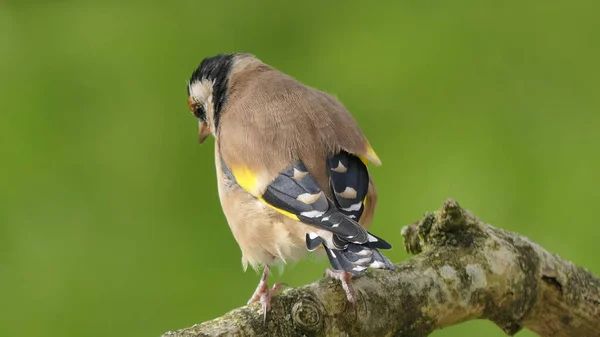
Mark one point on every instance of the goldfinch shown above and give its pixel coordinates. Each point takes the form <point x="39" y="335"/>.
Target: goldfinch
<point x="291" y="166"/>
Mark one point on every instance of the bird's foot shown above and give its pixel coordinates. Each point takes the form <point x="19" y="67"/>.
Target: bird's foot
<point x="264" y="294"/>
<point x="346" y="279"/>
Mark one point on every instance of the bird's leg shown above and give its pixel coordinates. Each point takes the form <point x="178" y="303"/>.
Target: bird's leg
<point x="264" y="294"/>
<point x="345" y="278"/>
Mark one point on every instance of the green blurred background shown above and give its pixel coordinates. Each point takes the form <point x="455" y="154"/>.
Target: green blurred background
<point x="109" y="216"/>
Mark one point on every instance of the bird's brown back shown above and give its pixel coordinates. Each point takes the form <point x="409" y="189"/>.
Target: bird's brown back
<point x="283" y="120"/>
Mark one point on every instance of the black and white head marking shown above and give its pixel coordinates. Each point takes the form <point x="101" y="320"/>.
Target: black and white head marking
<point x="207" y="87"/>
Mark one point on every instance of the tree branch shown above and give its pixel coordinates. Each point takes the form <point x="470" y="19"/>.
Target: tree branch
<point x="464" y="269"/>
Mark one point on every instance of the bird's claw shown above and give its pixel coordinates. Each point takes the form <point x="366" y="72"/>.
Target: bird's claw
<point x="263" y="295"/>
<point x="345" y="278"/>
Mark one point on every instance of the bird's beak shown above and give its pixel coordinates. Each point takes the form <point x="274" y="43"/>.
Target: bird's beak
<point x="203" y="132"/>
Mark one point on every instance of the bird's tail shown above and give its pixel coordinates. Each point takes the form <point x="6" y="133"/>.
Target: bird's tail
<point x="356" y="258"/>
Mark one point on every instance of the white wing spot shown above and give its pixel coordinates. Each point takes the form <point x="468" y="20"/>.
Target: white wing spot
<point x="372" y="238"/>
<point x="312" y="214"/>
<point x="308" y="198"/>
<point x="363" y="260"/>
<point x="313" y="235"/>
<point x="352" y="208"/>
<point x="377" y="265"/>
<point x="299" y="174"/>
<point x="364" y="252"/>
<point x="348" y="193"/>
<point x="359" y="268"/>
<point x="340" y="168"/>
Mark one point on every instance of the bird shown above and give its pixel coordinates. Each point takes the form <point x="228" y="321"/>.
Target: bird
<point x="291" y="169"/>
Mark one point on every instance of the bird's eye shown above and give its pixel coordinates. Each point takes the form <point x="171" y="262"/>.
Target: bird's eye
<point x="199" y="111"/>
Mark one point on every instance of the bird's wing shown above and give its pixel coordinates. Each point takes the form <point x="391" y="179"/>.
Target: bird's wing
<point x="349" y="180"/>
<point x="296" y="194"/>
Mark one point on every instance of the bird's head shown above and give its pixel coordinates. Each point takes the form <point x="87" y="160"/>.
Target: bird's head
<point x="208" y="89"/>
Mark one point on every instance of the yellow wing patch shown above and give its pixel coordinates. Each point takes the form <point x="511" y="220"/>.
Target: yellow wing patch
<point x="372" y="156"/>
<point x="247" y="179"/>
<point x="363" y="159"/>
<point x="286" y="213"/>
<point x="369" y="156"/>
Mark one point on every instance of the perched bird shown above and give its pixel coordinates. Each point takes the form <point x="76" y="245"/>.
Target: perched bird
<point x="291" y="166"/>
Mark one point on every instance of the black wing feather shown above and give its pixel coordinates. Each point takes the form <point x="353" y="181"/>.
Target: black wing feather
<point x="295" y="191"/>
<point x="349" y="179"/>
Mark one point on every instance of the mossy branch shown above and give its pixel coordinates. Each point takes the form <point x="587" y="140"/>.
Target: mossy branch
<point x="464" y="269"/>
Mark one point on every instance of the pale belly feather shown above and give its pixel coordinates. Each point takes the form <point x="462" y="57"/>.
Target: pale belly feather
<point x="264" y="236"/>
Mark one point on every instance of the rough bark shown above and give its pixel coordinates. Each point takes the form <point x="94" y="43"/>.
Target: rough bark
<point x="464" y="269"/>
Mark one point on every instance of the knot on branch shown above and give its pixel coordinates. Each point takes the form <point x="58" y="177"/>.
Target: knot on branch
<point x="440" y="229"/>
<point x="307" y="315"/>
